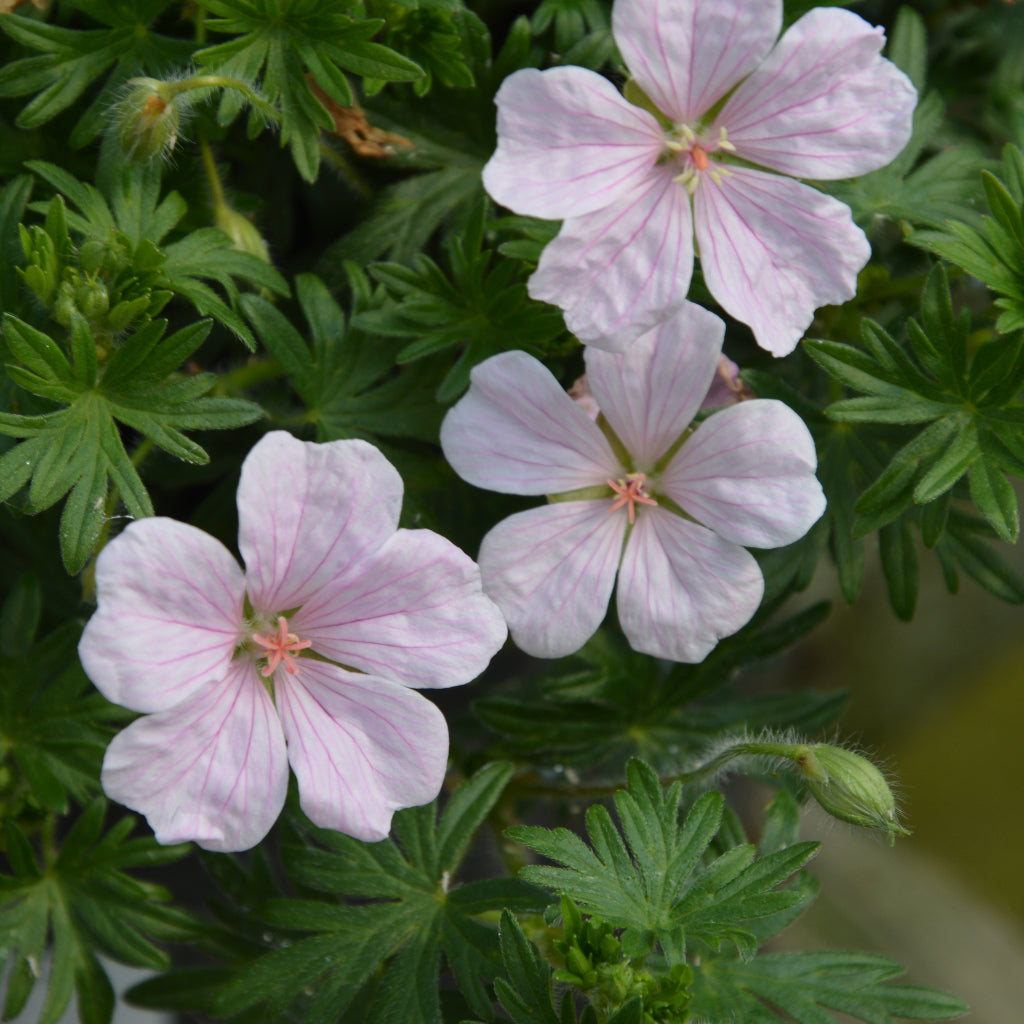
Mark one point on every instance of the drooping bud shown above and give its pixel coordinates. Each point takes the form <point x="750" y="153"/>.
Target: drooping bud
<point x="147" y="120"/>
<point x="849" y="787"/>
<point x="241" y="231"/>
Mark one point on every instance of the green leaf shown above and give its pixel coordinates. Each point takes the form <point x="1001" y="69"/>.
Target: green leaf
<point x="321" y="40"/>
<point x="995" y="498"/>
<point x="900" y="567"/>
<point x="411" y="918"/>
<point x="19" y="617"/>
<point x="85" y="904"/>
<point x="344" y="377"/>
<point x="801" y="986"/>
<point x="528" y="994"/>
<point x="78" y="450"/>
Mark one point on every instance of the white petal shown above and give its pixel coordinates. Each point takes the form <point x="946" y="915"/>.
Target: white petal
<point x="213" y="771"/>
<point x="308" y="512"/>
<point x="413" y="611"/>
<point x="361" y="747"/>
<point x="748" y="474"/>
<point x="551" y="571"/>
<point x="650" y="393"/>
<point x="687" y="54"/>
<point x="619" y="272"/>
<point x="568" y="143"/>
<point x="682" y="587"/>
<point x="169" y="616"/>
<point x="516" y="431"/>
<point x="773" y="250"/>
<point x="825" y="104"/>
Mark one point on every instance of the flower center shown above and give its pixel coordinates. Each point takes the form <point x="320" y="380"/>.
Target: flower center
<point x="280" y="647"/>
<point x="692" y="152"/>
<point x="630" y="491"/>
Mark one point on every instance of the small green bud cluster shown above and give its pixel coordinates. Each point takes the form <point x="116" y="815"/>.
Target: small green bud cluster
<point x="109" y="283"/>
<point x="596" y="964"/>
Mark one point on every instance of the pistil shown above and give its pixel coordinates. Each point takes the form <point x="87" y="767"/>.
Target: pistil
<point x="280" y="647"/>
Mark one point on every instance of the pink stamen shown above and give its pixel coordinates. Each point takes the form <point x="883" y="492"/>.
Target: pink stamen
<point x="630" y="493"/>
<point x="280" y="647"/>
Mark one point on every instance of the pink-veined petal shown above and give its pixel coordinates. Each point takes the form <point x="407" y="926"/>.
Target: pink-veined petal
<point x="551" y="571"/>
<point x="169" y="615"/>
<point x="413" y="611"/>
<point x="650" y="392"/>
<point x="748" y="474"/>
<point x="516" y="431"/>
<point x="682" y="587"/>
<point x="568" y="143"/>
<point x="361" y="747"/>
<point x="308" y="512"/>
<point x="213" y="771"/>
<point x="825" y="104"/>
<point x="773" y="250"/>
<point x="687" y="54"/>
<point x="619" y="272"/>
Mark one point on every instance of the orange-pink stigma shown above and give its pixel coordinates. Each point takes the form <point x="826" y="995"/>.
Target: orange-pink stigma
<point x="630" y="491"/>
<point x="280" y="647"/>
<point x="700" y="158"/>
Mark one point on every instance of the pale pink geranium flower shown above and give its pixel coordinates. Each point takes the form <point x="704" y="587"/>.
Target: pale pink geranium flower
<point x="644" y="493"/>
<point x="307" y="657"/>
<point x="731" y="111"/>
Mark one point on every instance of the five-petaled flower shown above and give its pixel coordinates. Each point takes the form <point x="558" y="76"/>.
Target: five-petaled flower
<point x="307" y="657"/>
<point x="725" y="105"/>
<point x="641" y="492"/>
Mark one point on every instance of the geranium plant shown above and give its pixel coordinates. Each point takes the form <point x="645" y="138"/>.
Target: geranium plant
<point x="358" y="349"/>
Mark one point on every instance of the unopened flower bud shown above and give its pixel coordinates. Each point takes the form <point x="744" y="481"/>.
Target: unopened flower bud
<point x="148" y="119"/>
<point x="849" y="787"/>
<point x="241" y="231"/>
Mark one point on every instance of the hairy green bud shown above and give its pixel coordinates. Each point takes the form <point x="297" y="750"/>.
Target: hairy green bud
<point x="147" y="120"/>
<point x="849" y="787"/>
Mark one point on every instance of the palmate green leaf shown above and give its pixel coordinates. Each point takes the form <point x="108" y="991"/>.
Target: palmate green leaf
<point x="480" y="308"/>
<point x="647" y="876"/>
<point x="315" y="37"/>
<point x="53" y="723"/>
<point x="77" y="450"/>
<point x="802" y="987"/>
<point x="346" y="378"/>
<point x="609" y="703"/>
<point x="974" y="420"/>
<point x="72" y="59"/>
<point x="84" y="902"/>
<point x="411" y="917"/>
<point x="995" y="253"/>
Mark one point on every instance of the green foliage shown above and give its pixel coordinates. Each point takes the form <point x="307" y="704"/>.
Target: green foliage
<point x="995" y="254"/>
<point x="78" y="901"/>
<point x="608" y="703"/>
<point x="345" y="378"/>
<point x="975" y="423"/>
<point x="78" y="447"/>
<point x="70" y="60"/>
<point x="428" y="33"/>
<point x="54" y="726"/>
<point x="318" y="38"/>
<point x="649" y="879"/>
<point x="408" y="915"/>
<point x="116" y="273"/>
<point x="482" y="308"/>
<point x="801" y="986"/>
<point x="451" y="138"/>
